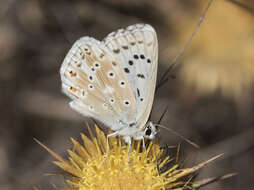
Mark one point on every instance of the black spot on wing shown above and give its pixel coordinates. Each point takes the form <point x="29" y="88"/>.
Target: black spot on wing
<point x="125" y="47"/>
<point x="126" y="70"/>
<point x="133" y="43"/>
<point x="138" y="92"/>
<point x="130" y="62"/>
<point x="135" y="56"/>
<point x="116" y="51"/>
<point x="140" y="76"/>
<point x="142" y="56"/>
<point x="132" y="124"/>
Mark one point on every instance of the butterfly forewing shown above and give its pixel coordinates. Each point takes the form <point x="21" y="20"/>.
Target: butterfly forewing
<point x="136" y="48"/>
<point x="96" y="83"/>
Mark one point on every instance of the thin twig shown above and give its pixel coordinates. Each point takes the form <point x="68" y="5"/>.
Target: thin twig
<point x="164" y="78"/>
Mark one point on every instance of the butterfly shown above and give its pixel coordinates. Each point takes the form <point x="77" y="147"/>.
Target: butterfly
<point x="114" y="80"/>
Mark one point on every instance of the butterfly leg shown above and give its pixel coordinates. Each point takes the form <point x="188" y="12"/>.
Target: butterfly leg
<point x="127" y="139"/>
<point x="107" y="151"/>
<point x="144" y="146"/>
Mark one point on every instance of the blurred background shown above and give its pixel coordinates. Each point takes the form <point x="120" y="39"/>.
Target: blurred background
<point x="209" y="94"/>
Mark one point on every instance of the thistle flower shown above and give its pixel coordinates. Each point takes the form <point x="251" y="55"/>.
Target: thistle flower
<point x="86" y="170"/>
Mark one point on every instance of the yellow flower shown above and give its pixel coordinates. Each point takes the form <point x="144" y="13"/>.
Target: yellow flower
<point x="87" y="171"/>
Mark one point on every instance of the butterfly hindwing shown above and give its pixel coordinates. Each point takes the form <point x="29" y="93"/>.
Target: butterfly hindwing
<point x="96" y="83"/>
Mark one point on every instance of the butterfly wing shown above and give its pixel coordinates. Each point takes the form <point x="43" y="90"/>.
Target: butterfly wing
<point x="136" y="48"/>
<point x="96" y="83"/>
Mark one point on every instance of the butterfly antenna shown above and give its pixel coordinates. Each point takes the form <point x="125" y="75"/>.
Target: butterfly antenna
<point x="163" y="114"/>
<point x="164" y="77"/>
<point x="179" y="135"/>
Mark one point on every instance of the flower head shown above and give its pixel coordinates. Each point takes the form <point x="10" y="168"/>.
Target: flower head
<point x="86" y="170"/>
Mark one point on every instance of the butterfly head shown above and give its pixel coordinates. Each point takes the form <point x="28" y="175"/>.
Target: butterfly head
<point x="150" y="130"/>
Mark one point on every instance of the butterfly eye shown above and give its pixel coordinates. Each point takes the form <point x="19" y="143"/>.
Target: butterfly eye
<point x="148" y="132"/>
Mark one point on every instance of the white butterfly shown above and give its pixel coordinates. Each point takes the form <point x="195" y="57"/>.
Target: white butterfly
<point x="114" y="80"/>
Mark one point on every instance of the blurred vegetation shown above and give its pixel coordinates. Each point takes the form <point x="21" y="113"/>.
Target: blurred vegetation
<point x="210" y="97"/>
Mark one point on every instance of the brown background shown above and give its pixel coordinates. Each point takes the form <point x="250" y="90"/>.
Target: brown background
<point x="210" y="100"/>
